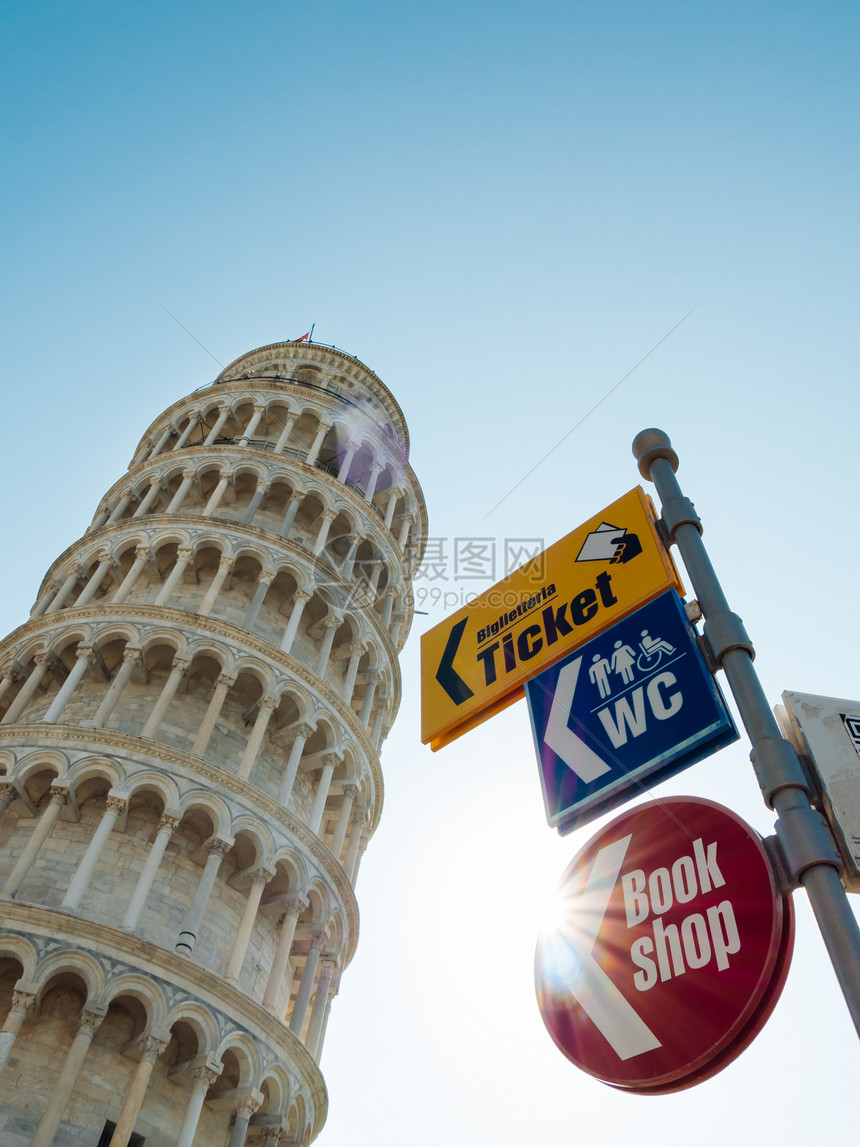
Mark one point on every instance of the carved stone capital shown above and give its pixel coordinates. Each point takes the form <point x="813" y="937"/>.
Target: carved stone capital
<point x="226" y="563"/>
<point x="22" y="1003"/>
<point x="218" y="848"/>
<point x="247" y="1104"/>
<point x="332" y="760"/>
<point x="259" y="875"/>
<point x="143" y="552"/>
<point x="351" y="791"/>
<point x="302" y="729"/>
<point x="202" y="1078"/>
<point x="131" y="654"/>
<point x="266" y="578"/>
<point x="168" y="822"/>
<point x="183" y="554"/>
<point x="86" y="653"/>
<point x="89" y="1023"/>
<point x="59" y="795"/>
<point x="150" y="1048"/>
<point x="295" y="906"/>
<point x="317" y="940"/>
<point x="270" y="703"/>
<point x="116" y="805"/>
<point x="224" y="679"/>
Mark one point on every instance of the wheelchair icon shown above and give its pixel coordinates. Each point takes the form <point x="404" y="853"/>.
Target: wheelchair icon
<point x="653" y="650"/>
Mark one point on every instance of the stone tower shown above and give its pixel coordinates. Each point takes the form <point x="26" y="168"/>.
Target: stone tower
<point x="189" y="751"/>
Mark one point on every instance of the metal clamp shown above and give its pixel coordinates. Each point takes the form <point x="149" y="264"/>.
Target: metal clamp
<point x="804" y="841"/>
<point x="725" y="631"/>
<point x="778" y="767"/>
<point x="679" y="512"/>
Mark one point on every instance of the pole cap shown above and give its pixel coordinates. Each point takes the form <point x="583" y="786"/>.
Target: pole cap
<point x="650" y="444"/>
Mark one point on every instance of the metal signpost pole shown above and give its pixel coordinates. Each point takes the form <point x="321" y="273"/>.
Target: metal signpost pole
<point x="806" y="846"/>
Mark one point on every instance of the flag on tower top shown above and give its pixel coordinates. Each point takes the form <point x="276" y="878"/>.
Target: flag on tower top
<point x="304" y="337"/>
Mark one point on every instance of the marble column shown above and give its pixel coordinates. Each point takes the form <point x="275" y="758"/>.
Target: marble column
<point x="114" y="808"/>
<point x="64" y="592"/>
<point x="328" y="516"/>
<point x="130" y="659"/>
<point x="331" y="624"/>
<point x="166" y="828"/>
<point x="178" y="498"/>
<point x="263" y="583"/>
<point x="180" y="668"/>
<point x="218" y="493"/>
<point x="85" y="657"/>
<point x="119" y="509"/>
<point x="58" y="798"/>
<point x="375" y="471"/>
<point x="224" y="568"/>
<point x="150" y="1049"/>
<point x="207" y="726"/>
<point x="202" y="1079"/>
<point x="356" y="818"/>
<point x="95" y="580"/>
<point x="62" y="1086"/>
<point x="149" y="497"/>
<point x="245" y="1108"/>
<point x="350" y="792"/>
<point x="301" y="732"/>
<point x="42" y="662"/>
<point x="259" y="411"/>
<point x="295" y="501"/>
<point x="322" y="430"/>
<point x="162" y="442"/>
<point x="256" y="502"/>
<point x="216" y="851"/>
<point x="23" y="1001"/>
<point x="319" y="1006"/>
<point x="183" y="557"/>
<point x="356" y="653"/>
<point x="257" y="881"/>
<point x="300" y="1007"/>
<point x="223" y="415"/>
<point x="141" y="556"/>
<point x="330" y="763"/>
<point x="299" y="601"/>
<point x="391" y="507"/>
<point x="267" y="707"/>
<point x="187" y="432"/>
<point x="285" y="434"/>
<point x="343" y="472"/>
<point x="293" y="909"/>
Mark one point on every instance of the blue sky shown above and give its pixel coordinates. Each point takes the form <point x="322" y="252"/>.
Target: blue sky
<point x="501" y="208"/>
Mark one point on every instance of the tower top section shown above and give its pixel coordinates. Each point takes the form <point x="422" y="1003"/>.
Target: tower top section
<point x="332" y="371"/>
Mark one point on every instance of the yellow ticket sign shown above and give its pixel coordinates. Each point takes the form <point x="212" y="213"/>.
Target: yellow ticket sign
<point x="476" y="662"/>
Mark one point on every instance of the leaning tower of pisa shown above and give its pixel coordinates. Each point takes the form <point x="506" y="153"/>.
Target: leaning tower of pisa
<point x="189" y="764"/>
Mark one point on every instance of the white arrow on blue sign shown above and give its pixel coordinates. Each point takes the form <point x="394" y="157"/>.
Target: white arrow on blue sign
<point x="624" y="711"/>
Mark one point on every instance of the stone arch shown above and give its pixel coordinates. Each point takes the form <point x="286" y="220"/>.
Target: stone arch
<point x="243" y="1047"/>
<point x="20" y="949"/>
<point x="95" y="768"/>
<point x="71" y="961"/>
<point x="200" y="1020"/>
<point x="142" y="988"/>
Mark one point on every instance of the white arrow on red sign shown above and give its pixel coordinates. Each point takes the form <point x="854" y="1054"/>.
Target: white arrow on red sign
<point x="672" y="950"/>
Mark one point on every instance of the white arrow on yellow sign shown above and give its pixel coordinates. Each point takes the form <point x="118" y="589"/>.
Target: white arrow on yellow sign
<point x="476" y="662"/>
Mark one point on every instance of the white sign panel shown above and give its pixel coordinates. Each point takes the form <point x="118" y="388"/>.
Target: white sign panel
<point x="826" y="733"/>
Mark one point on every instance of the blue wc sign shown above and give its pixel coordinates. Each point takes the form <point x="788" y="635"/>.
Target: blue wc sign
<point x="628" y="709"/>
